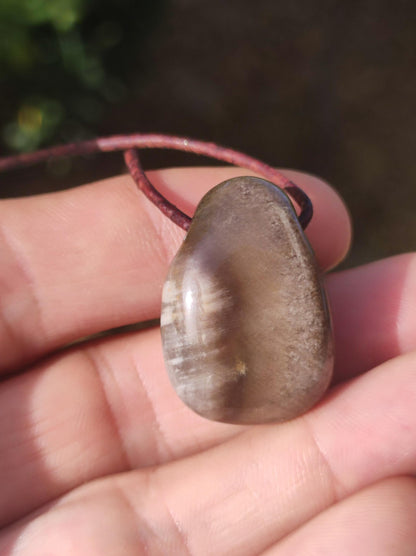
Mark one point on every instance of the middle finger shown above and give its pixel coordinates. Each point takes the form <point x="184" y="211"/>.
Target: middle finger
<point x="109" y="406"/>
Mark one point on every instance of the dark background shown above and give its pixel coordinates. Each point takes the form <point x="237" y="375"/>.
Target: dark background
<point x="323" y="86"/>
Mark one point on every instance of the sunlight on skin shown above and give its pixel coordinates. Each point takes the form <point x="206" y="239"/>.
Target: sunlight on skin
<point x="98" y="446"/>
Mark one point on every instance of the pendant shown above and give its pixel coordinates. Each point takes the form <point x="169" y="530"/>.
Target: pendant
<point x="245" y="325"/>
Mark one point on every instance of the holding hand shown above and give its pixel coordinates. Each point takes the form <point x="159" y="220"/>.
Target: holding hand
<point x="98" y="456"/>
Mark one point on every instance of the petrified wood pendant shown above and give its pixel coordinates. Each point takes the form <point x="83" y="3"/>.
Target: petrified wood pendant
<point x="245" y="324"/>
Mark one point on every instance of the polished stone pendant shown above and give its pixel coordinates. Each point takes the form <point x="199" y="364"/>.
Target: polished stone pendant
<point x="245" y="324"/>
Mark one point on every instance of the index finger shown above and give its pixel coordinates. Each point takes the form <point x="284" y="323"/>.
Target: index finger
<point x="82" y="261"/>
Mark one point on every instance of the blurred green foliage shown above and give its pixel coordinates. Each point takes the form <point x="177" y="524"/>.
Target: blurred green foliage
<point x="63" y="62"/>
<point x="62" y="14"/>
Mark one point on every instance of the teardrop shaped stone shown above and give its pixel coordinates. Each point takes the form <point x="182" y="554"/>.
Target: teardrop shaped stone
<point x="245" y="325"/>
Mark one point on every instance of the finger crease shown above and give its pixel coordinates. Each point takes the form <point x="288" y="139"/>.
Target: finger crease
<point x="138" y="519"/>
<point x="96" y="363"/>
<point x="23" y="268"/>
<point x="180" y="533"/>
<point x="338" y="490"/>
<point x="165" y="451"/>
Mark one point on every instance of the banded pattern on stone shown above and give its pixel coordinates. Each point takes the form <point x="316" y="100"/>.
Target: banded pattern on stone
<point x="245" y="324"/>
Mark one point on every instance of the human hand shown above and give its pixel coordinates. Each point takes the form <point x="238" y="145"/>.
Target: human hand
<point x="98" y="456"/>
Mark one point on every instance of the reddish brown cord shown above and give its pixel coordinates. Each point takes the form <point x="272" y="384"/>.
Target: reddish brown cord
<point x="145" y="141"/>
<point x="171" y="211"/>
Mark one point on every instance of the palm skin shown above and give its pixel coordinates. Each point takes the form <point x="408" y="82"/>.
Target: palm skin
<point x="99" y="456"/>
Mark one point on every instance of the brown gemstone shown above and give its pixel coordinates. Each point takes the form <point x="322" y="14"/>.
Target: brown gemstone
<point x="245" y="324"/>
